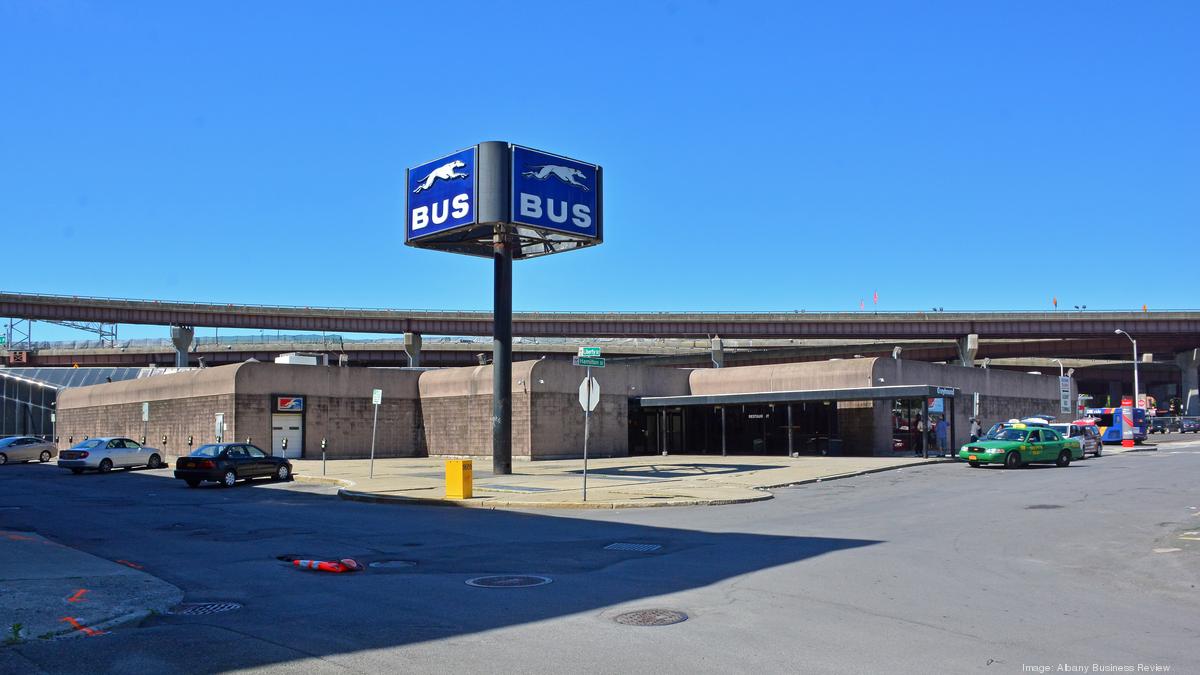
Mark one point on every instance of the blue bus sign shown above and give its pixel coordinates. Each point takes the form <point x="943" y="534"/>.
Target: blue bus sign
<point x="441" y="195"/>
<point x="555" y="193"/>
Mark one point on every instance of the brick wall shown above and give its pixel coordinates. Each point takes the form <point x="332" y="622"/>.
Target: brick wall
<point x="462" y="425"/>
<point x="176" y="418"/>
<point x="557" y="426"/>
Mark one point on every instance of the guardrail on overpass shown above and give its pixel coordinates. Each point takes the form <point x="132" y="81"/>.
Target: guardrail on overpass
<point x="1183" y="324"/>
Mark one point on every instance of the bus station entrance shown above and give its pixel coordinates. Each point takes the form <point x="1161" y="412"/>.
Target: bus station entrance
<point x="793" y="423"/>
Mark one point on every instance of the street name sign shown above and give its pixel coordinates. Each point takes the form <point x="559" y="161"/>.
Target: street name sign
<point x="588" y="361"/>
<point x="589" y="351"/>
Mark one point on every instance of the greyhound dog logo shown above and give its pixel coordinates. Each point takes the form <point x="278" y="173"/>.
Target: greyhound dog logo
<point x="444" y="172"/>
<point x="564" y="173"/>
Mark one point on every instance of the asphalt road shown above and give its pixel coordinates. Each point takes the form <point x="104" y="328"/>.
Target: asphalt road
<point x="937" y="568"/>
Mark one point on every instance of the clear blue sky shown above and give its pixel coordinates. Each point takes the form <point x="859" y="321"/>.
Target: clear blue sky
<point x="758" y="156"/>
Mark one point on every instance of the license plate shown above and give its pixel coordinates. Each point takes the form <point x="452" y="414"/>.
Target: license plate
<point x="189" y="465"/>
<point x="973" y="458"/>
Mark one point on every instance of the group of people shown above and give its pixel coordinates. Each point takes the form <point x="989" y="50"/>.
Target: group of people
<point x="935" y="435"/>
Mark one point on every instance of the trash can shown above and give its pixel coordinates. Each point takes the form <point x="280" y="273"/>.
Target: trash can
<point x="458" y="479"/>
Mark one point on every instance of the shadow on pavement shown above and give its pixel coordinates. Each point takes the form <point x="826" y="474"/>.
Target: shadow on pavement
<point x="679" y="470"/>
<point x="225" y="545"/>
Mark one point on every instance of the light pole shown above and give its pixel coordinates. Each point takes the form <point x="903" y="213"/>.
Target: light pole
<point x="1060" y="367"/>
<point x="1135" y="373"/>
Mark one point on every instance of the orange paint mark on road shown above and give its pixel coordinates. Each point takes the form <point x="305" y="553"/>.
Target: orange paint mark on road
<point x="17" y="537"/>
<point x="78" y="595"/>
<point x="80" y="627"/>
<point x="131" y="564"/>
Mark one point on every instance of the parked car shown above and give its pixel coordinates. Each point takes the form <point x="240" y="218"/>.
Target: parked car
<point x="1016" y="447"/>
<point x="1162" y="425"/>
<point x="108" y="453"/>
<point x="227" y="463"/>
<point x="1087" y="435"/>
<point x="25" y="449"/>
<point x="1189" y="425"/>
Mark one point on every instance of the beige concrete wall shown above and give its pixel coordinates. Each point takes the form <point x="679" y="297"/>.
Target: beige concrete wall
<point x="841" y="374"/>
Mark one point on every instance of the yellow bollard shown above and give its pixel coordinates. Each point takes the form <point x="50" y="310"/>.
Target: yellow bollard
<point x="458" y="479"/>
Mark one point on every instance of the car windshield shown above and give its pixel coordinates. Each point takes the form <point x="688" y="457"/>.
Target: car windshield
<point x="1063" y="429"/>
<point x="92" y="443"/>
<point x="5" y="442"/>
<point x="1011" y="435"/>
<point x="206" y="451"/>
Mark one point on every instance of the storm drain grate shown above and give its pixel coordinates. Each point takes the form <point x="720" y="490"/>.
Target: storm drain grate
<point x="1044" y="506"/>
<point x="509" y="581"/>
<point x="640" y="548"/>
<point x="203" y="608"/>
<point x="392" y="564"/>
<point x="651" y="617"/>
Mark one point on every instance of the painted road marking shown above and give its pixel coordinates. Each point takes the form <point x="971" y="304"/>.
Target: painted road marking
<point x="1190" y="538"/>
<point x="131" y="564"/>
<point x="80" y="627"/>
<point x="1167" y="550"/>
<point x="78" y="595"/>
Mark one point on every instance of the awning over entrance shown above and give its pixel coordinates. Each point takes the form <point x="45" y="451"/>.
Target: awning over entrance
<point x="853" y="394"/>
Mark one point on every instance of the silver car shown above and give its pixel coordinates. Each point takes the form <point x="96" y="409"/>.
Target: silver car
<point x="108" y="453"/>
<point x="25" y="449"/>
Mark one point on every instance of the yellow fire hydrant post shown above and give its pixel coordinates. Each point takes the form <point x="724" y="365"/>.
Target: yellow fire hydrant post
<point x="458" y="479"/>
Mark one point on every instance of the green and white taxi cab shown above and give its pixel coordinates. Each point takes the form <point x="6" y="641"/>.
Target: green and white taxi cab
<point x="1020" y="444"/>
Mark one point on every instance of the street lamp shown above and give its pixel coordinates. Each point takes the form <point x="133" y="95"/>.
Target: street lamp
<point x="1135" y="373"/>
<point x="1060" y="367"/>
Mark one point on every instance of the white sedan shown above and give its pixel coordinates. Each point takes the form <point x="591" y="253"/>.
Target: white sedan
<point x="106" y="454"/>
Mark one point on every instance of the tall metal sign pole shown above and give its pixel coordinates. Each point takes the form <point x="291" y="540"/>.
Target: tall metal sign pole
<point x="505" y="202"/>
<point x="376" y="399"/>
<point x="589" y="397"/>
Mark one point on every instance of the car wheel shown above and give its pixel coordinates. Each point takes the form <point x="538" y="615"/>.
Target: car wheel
<point x="105" y="465"/>
<point x="191" y="482"/>
<point x="154" y="463"/>
<point x="228" y="479"/>
<point x="974" y="465"/>
<point x="1064" y="459"/>
<point x="1099" y="449"/>
<point x="44" y="457"/>
<point x="283" y="473"/>
<point x="76" y="471"/>
<point x="3" y="458"/>
<point x="1012" y="460"/>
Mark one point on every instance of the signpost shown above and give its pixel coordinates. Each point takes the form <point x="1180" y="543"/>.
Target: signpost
<point x="505" y="202"/>
<point x="376" y="399"/>
<point x="589" y="398"/>
<point x="1064" y="394"/>
<point x="145" y="418"/>
<point x="1127" y="422"/>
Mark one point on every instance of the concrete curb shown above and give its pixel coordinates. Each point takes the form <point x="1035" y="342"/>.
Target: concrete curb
<point x="373" y="498"/>
<point x="323" y="480"/>
<point x="864" y="472"/>
<point x="104" y="625"/>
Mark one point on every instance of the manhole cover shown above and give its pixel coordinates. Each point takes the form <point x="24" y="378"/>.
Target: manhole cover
<point x="509" y="581"/>
<point x="391" y="564"/>
<point x="1044" y="506"/>
<point x="651" y="617"/>
<point x="641" y="548"/>
<point x="203" y="608"/>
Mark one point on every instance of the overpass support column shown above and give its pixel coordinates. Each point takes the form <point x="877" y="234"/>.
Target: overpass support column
<point x="181" y="337"/>
<point x="412" y="347"/>
<point x="1190" y="390"/>
<point x="968" y="347"/>
<point x="717" y="351"/>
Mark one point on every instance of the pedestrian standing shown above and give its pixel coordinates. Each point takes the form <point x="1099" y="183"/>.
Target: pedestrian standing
<point x="976" y="430"/>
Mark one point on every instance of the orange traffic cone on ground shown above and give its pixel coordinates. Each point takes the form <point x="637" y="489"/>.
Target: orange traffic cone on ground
<point x="335" y="566"/>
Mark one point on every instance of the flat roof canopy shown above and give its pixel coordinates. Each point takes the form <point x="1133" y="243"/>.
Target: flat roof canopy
<point x="854" y="394"/>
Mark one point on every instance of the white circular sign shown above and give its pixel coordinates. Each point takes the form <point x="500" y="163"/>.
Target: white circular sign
<point x="589" y="404"/>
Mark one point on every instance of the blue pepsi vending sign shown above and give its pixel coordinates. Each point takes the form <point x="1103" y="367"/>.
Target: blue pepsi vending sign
<point x="441" y="195"/>
<point x="555" y="193"/>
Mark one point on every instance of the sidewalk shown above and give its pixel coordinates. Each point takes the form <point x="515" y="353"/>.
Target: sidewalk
<point x="50" y="590"/>
<point x="626" y="482"/>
